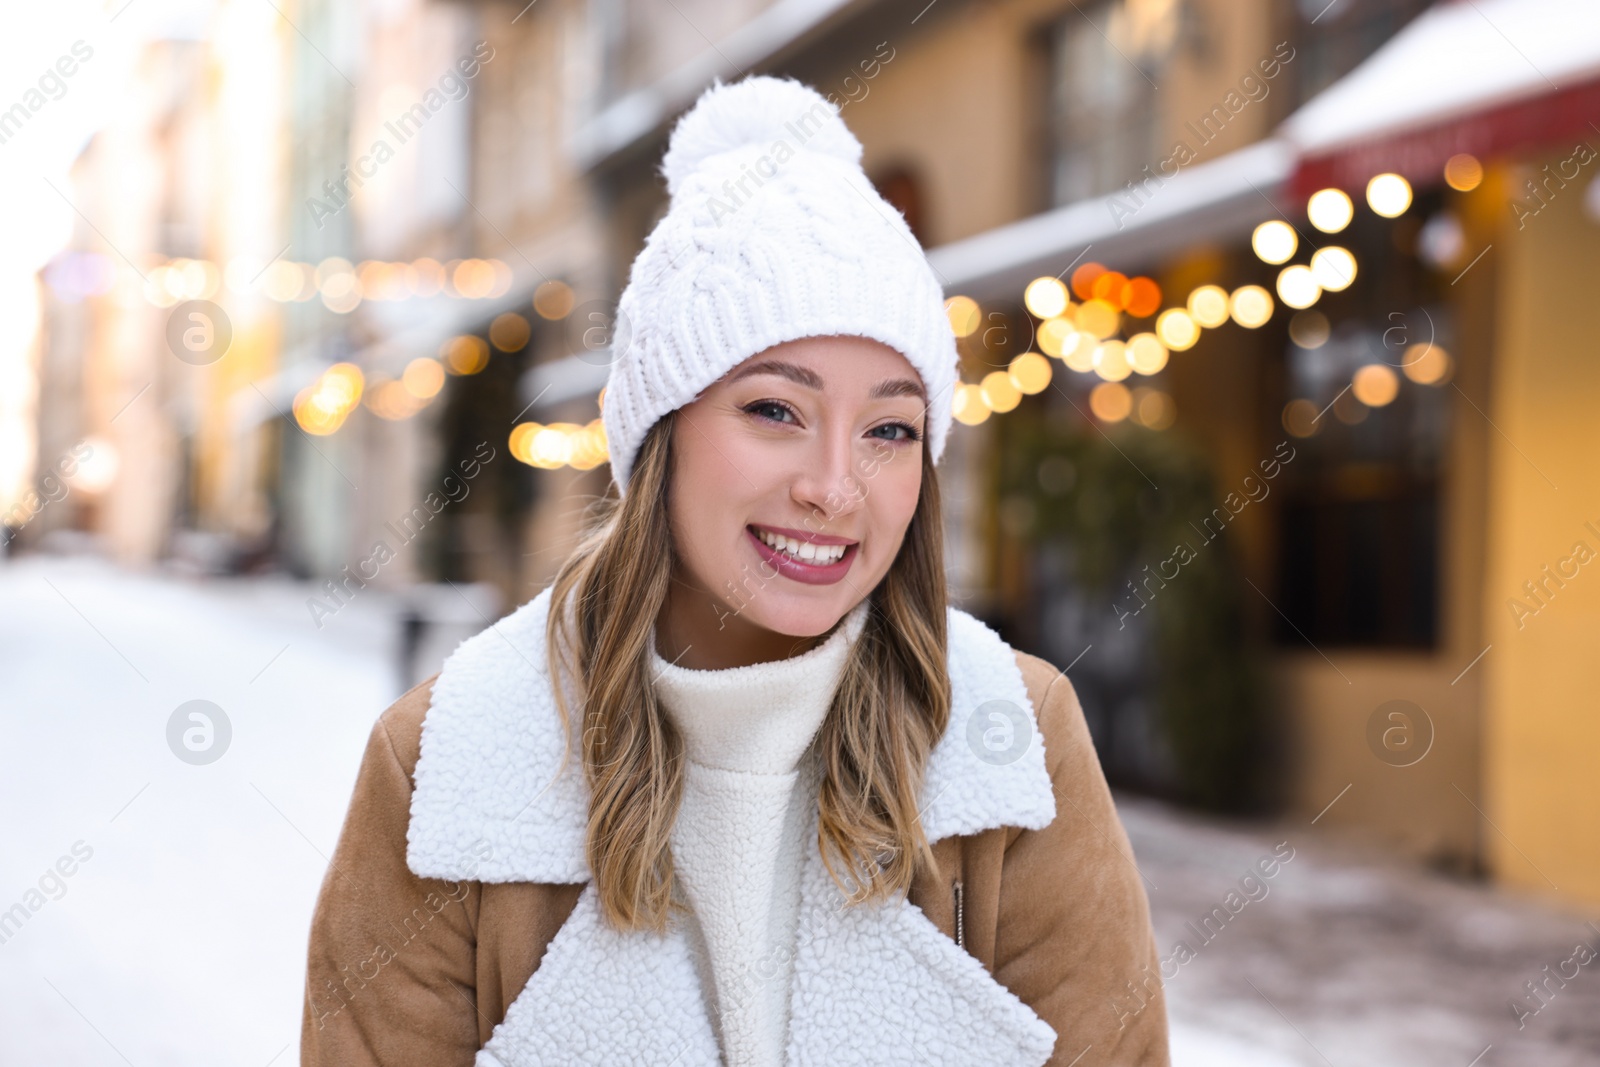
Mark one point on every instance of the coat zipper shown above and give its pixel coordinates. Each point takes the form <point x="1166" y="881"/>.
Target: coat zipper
<point x="961" y="929"/>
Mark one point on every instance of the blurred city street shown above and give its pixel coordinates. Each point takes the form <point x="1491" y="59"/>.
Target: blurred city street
<point x="181" y="939"/>
<point x="1271" y="420"/>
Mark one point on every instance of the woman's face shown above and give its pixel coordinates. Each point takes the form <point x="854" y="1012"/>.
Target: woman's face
<point x="817" y="441"/>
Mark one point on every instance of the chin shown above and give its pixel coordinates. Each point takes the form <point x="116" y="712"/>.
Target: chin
<point x="798" y="619"/>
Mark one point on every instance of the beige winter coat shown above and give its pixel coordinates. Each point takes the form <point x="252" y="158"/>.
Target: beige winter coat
<point x="407" y="970"/>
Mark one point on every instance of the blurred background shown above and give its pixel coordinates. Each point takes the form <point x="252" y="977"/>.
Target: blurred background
<point x="1277" y="433"/>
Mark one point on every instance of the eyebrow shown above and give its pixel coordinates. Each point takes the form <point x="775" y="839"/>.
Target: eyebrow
<point x="889" y="387"/>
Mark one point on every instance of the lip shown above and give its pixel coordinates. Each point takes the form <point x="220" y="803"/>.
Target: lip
<point x="802" y="536"/>
<point x="805" y="573"/>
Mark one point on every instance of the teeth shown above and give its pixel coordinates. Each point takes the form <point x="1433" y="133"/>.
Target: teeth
<point x="820" y="555"/>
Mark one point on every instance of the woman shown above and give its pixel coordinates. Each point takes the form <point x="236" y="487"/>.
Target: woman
<point x="756" y="793"/>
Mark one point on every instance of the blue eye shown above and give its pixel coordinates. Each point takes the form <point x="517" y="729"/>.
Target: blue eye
<point x="911" y="432"/>
<point x="769" y="405"/>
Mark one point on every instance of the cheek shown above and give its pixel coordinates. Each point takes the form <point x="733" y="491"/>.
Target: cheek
<point x="702" y="511"/>
<point x="893" y="495"/>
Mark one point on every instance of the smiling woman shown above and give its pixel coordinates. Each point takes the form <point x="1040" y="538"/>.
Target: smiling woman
<point x="742" y="786"/>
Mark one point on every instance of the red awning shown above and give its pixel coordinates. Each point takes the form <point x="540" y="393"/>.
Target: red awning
<point x="1485" y="77"/>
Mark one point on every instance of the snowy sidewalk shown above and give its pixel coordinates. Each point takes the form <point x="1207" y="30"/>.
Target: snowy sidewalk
<point x="1347" y="958"/>
<point x="180" y="939"/>
<point x="179" y="936"/>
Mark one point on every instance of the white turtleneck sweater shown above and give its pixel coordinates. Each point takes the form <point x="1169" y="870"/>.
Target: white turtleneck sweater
<point x="749" y="785"/>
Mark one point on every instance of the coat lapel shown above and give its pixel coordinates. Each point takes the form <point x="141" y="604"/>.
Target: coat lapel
<point x="872" y="984"/>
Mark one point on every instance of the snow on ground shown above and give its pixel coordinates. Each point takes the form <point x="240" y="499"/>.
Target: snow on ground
<point x="1349" y="958"/>
<point x="180" y="939"/>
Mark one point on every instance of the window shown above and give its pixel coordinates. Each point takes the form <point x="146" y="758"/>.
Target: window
<point x="1359" y="536"/>
<point x="1104" y="62"/>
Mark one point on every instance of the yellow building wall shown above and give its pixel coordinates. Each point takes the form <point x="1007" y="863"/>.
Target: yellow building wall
<point x="1542" y="673"/>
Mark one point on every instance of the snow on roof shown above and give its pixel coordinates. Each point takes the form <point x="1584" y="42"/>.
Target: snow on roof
<point x="1457" y="57"/>
<point x="1217" y="199"/>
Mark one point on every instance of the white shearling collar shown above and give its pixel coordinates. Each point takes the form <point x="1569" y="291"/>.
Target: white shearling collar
<point x="877" y="984"/>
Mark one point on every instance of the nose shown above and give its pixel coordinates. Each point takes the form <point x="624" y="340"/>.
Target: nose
<point x="828" y="483"/>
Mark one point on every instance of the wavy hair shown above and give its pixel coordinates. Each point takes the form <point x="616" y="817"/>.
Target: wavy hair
<point x="889" y="710"/>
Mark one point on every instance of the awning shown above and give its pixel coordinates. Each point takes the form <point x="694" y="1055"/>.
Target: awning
<point x="1222" y="199"/>
<point x="1478" y="76"/>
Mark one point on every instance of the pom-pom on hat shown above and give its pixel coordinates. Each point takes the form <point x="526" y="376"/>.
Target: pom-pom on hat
<point x="773" y="233"/>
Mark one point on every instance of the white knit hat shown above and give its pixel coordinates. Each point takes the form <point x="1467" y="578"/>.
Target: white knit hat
<point x="773" y="233"/>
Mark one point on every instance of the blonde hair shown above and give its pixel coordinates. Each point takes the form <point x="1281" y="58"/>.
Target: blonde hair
<point x="889" y="710"/>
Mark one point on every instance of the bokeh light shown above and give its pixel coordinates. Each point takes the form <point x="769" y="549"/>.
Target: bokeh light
<point x="553" y="300"/>
<point x="1333" y="268"/>
<point x="1426" y="363"/>
<point x="1309" y="329"/>
<point x="1208" y="306"/>
<point x="1330" y="210"/>
<point x="1274" y="242"/>
<point x="1110" y="401"/>
<point x="423" y="377"/>
<point x="1300" y="418"/>
<point x="1389" y="195"/>
<point x="1146" y="354"/>
<point x="1097" y="318"/>
<point x="968" y="405"/>
<point x="1111" y="361"/>
<point x="1298" y="287"/>
<point x="1251" y="306"/>
<point x="466" y="354"/>
<point x="509" y="332"/>
<point x="1000" y="393"/>
<point x="1030" y="373"/>
<point x="964" y="315"/>
<point x="1177" y="329"/>
<point x="1046" y="297"/>
<point x="1463" y="172"/>
<point x="1083" y="280"/>
<point x="1375" y="384"/>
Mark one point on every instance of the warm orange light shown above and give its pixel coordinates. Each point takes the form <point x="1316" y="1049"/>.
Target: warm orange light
<point x="1375" y="385"/>
<point x="964" y="315"/>
<point x="473" y="279"/>
<point x="1110" y="401"/>
<point x="553" y="300"/>
<point x="1141" y="297"/>
<point x="1208" y="305"/>
<point x="1463" y="172"/>
<point x="1330" y="210"/>
<point x="1177" y="329"/>
<point x="1000" y="392"/>
<point x="968" y="405"/>
<point x="1426" y="364"/>
<point x="1097" y="318"/>
<point x="423" y="378"/>
<point x="1389" y="195"/>
<point x="1108" y="287"/>
<point x="1274" y="241"/>
<point x="466" y="354"/>
<point x="1030" y="373"/>
<point x="1300" y="418"/>
<point x="1146" y="353"/>
<point x="509" y="332"/>
<point x="1153" y="408"/>
<point x="1055" y="336"/>
<point x="1045" y="297"/>
<point x="425" y="277"/>
<point x="1083" y="280"/>
<point x="1111" y="361"/>
<point x="1251" y="306"/>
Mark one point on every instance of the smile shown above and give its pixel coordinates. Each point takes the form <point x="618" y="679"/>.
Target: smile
<point x="817" y="560"/>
